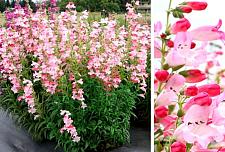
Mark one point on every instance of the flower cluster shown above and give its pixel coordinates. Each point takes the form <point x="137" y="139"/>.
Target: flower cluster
<point x="29" y="96"/>
<point x="59" y="51"/>
<point x="189" y="111"/>
<point x="68" y="126"/>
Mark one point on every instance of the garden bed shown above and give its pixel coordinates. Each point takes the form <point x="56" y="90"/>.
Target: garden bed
<point x="72" y="81"/>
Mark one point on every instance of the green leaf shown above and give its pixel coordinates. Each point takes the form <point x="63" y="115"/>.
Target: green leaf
<point x="171" y="108"/>
<point x="177" y="13"/>
<point x="166" y="66"/>
<point x="183" y="73"/>
<point x="177" y="67"/>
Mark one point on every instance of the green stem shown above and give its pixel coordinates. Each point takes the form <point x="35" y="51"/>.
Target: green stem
<point x="167" y="31"/>
<point x="167" y="16"/>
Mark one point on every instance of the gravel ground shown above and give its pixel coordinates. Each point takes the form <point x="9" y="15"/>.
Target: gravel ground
<point x="15" y="139"/>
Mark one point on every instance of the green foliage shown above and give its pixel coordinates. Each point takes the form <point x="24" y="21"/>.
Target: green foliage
<point x="2" y="5"/>
<point x="95" y="5"/>
<point x="8" y="3"/>
<point x="103" y="125"/>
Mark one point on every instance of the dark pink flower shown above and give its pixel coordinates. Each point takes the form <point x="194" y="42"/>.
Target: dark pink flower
<point x="202" y="99"/>
<point x="211" y="89"/>
<point x="195" y="75"/>
<point x="162" y="75"/>
<point x="178" y="147"/>
<point x="191" y="91"/>
<point x="180" y="26"/>
<point x="198" y="6"/>
<point x="161" y="111"/>
<point x="185" y="9"/>
<point x="170" y="43"/>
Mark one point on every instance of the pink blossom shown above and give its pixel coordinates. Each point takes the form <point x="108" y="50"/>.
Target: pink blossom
<point x="208" y="33"/>
<point x="68" y="126"/>
<point x="195" y="128"/>
<point x="181" y="25"/>
<point x="175" y="83"/>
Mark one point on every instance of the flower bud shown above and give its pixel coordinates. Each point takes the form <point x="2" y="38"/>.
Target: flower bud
<point x="202" y="99"/>
<point x="198" y="6"/>
<point x="191" y="91"/>
<point x="211" y="89"/>
<point x="170" y="44"/>
<point x="162" y="75"/>
<point x="194" y="76"/>
<point x="163" y="36"/>
<point x="178" y="147"/>
<point x="193" y="45"/>
<point x="180" y="26"/>
<point x="161" y="111"/>
<point x="185" y="9"/>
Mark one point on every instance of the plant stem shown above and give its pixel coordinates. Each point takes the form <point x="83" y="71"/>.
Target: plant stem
<point x="167" y="16"/>
<point x="163" y="50"/>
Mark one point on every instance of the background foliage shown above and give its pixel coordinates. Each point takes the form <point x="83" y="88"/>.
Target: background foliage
<point x="91" y="5"/>
<point x="103" y="125"/>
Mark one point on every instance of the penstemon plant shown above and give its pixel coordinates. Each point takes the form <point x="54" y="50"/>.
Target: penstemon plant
<point x="70" y="80"/>
<point x="188" y="103"/>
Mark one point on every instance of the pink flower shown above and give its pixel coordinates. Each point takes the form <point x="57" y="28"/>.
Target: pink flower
<point x="178" y="147"/>
<point x="211" y="89"/>
<point x="198" y="6"/>
<point x="166" y="98"/>
<point x="185" y="9"/>
<point x="174" y="58"/>
<point x="170" y="43"/>
<point x="208" y="33"/>
<point x="195" y="128"/>
<point x="68" y="126"/>
<point x="202" y="99"/>
<point x="161" y="111"/>
<point x="175" y="83"/>
<point x="70" y="5"/>
<point x="162" y="75"/>
<point x="137" y="3"/>
<point x="182" y="54"/>
<point x="195" y="75"/>
<point x="157" y="27"/>
<point x="168" y="122"/>
<point x="180" y="26"/>
<point x="191" y="91"/>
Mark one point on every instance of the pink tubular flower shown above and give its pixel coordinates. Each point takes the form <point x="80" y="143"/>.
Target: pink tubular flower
<point x="191" y="91"/>
<point x="28" y="96"/>
<point x="170" y="44"/>
<point x="198" y="6"/>
<point x="182" y="54"/>
<point x="161" y="111"/>
<point x="178" y="147"/>
<point x="166" y="98"/>
<point x="70" y="5"/>
<point x="175" y="83"/>
<point x="68" y="126"/>
<point x="185" y="9"/>
<point x="180" y="26"/>
<point x="208" y="33"/>
<point x="162" y="75"/>
<point x="174" y="58"/>
<point x="168" y="122"/>
<point x="211" y="89"/>
<point x="195" y="128"/>
<point x="202" y="99"/>
<point x="194" y="76"/>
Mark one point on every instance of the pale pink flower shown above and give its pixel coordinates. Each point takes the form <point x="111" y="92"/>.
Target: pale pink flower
<point x="208" y="33"/>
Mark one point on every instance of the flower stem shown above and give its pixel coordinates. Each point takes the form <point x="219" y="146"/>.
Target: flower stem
<point x="163" y="50"/>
